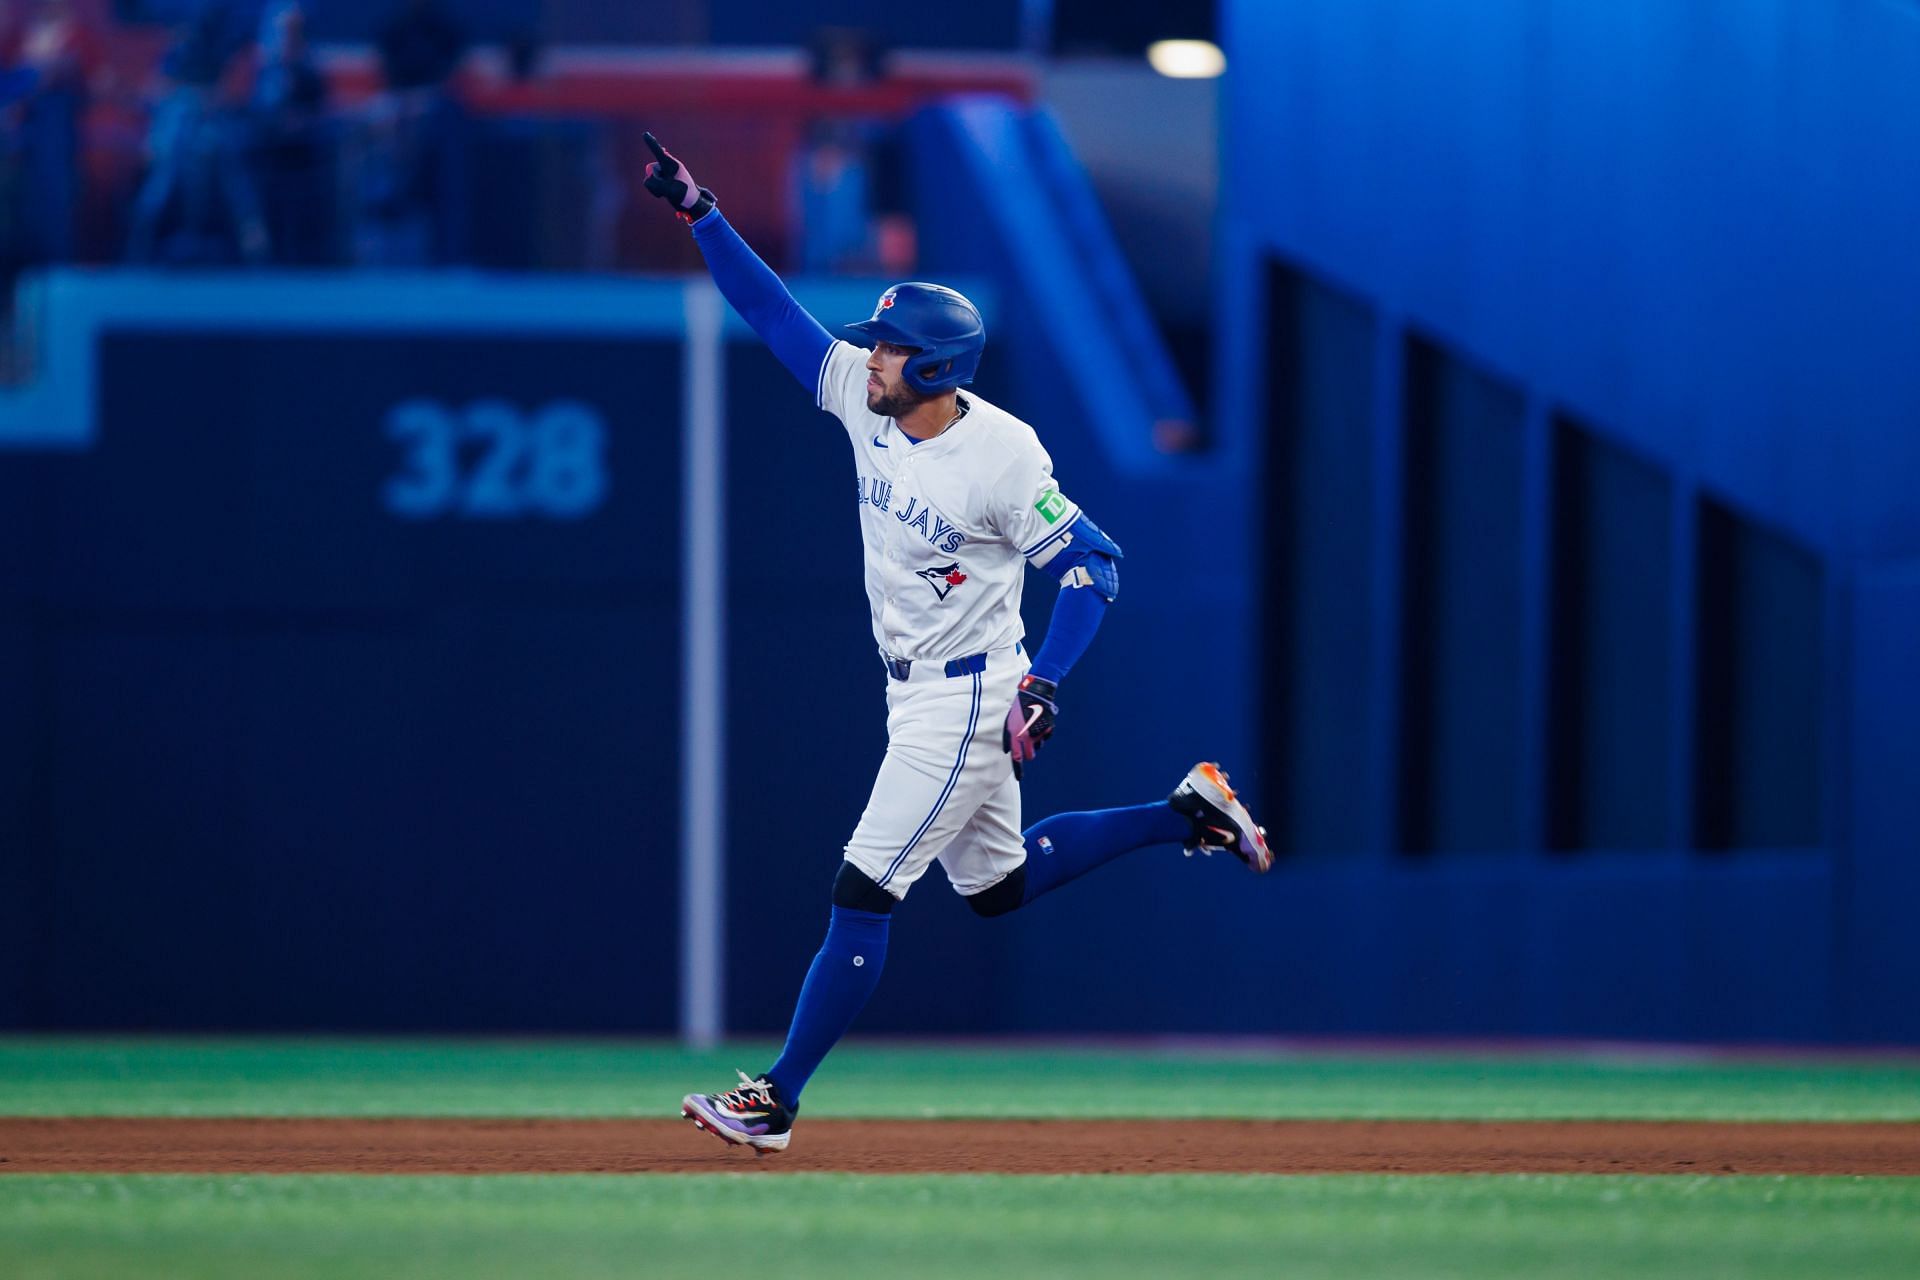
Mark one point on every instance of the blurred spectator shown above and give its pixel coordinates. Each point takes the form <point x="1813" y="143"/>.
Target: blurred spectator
<point x="845" y="204"/>
<point x="413" y="177"/>
<point x="420" y="46"/>
<point x="198" y="205"/>
<point x="204" y="45"/>
<point x="47" y="62"/>
<point x="292" y="141"/>
<point x="845" y="56"/>
<point x="850" y="205"/>
<point x="522" y="52"/>
<point x="834" y="191"/>
<point x="15" y="83"/>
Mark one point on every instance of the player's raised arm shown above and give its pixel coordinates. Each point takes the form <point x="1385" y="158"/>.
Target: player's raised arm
<point x="744" y="280"/>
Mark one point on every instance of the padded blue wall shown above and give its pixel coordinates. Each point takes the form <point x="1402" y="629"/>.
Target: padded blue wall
<point x="1689" y="222"/>
<point x="1675" y="241"/>
<point x="277" y="757"/>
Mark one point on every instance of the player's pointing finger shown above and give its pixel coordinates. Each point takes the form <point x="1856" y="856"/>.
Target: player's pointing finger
<point x="670" y="179"/>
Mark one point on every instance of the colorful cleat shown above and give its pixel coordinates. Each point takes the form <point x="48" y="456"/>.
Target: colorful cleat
<point x="1219" y="820"/>
<point x="749" y="1116"/>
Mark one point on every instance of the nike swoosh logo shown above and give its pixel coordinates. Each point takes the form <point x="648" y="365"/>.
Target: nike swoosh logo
<point x="879" y="443"/>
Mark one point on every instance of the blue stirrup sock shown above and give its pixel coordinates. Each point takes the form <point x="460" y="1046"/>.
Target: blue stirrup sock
<point x="843" y="976"/>
<point x="1068" y="845"/>
<point x="847" y="968"/>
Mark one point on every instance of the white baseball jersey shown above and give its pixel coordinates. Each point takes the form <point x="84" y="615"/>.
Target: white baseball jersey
<point x="950" y="523"/>
<point x="949" y="526"/>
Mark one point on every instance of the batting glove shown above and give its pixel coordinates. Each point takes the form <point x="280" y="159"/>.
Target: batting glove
<point x="669" y="179"/>
<point x="1029" y="720"/>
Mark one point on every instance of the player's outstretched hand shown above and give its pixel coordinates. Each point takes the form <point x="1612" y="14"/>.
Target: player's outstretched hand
<point x="1029" y="720"/>
<point x="673" y="182"/>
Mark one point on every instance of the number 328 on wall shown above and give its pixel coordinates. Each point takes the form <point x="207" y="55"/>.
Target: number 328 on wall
<point x="489" y="461"/>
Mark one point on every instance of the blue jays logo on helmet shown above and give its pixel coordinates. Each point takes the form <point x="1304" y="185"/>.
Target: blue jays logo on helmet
<point x="942" y="328"/>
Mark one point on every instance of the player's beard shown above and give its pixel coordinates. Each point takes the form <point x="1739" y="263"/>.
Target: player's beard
<point x="897" y="403"/>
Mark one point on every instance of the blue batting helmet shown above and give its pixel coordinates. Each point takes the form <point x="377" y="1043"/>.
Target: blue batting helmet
<point x="943" y="328"/>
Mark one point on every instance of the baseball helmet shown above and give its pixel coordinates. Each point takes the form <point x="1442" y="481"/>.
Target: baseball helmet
<point x="943" y="328"/>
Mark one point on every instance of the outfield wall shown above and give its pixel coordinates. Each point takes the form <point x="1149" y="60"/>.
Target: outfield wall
<point x="306" y="730"/>
<point x="350" y="635"/>
<point x="1553" y="585"/>
<point x="1577" y="339"/>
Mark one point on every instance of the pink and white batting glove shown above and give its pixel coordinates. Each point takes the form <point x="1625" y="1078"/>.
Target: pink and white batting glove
<point x="673" y="182"/>
<point x="1029" y="720"/>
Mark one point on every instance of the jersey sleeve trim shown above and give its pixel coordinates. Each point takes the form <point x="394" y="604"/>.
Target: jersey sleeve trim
<point x="820" y="378"/>
<point x="1055" y="535"/>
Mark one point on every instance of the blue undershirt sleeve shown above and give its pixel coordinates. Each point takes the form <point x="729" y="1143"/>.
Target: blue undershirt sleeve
<point x="1076" y="616"/>
<point x="754" y="291"/>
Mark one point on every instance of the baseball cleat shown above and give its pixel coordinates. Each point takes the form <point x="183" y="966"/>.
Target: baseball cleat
<point x="749" y="1116"/>
<point x="1219" y="820"/>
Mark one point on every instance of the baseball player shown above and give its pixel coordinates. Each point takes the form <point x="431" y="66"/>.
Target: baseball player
<point x="957" y="498"/>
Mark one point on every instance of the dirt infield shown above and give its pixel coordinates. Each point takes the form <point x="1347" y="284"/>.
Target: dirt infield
<point x="112" y="1145"/>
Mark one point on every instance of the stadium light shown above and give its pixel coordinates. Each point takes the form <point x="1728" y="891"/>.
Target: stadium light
<point x="1186" y="59"/>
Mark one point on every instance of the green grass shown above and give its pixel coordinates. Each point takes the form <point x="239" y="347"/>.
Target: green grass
<point x="804" y="1225"/>
<point x="834" y="1225"/>
<point x="572" y="1078"/>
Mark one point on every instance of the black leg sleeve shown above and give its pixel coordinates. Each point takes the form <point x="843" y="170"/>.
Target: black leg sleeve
<point x="1003" y="897"/>
<point x="856" y="891"/>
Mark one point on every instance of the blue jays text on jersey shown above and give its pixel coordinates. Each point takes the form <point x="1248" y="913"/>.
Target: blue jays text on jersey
<point x="878" y="493"/>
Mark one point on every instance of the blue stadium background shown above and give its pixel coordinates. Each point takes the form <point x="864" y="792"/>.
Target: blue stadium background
<point x="1510" y="414"/>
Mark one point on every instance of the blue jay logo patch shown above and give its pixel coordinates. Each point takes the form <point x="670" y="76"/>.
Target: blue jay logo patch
<point x="943" y="578"/>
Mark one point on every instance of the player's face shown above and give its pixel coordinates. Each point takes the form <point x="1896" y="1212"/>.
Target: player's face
<point x="887" y="391"/>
